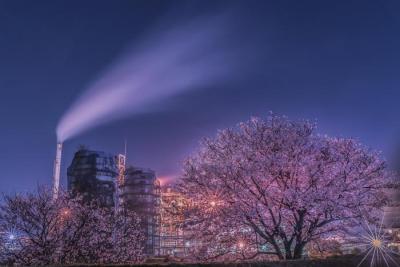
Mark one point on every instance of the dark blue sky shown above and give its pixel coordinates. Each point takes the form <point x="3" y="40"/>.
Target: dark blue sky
<point x="337" y="62"/>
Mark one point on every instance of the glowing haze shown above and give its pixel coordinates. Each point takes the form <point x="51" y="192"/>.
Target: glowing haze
<point x="163" y="64"/>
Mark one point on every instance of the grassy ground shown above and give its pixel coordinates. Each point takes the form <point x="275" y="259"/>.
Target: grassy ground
<point x="346" y="261"/>
<point x="339" y="262"/>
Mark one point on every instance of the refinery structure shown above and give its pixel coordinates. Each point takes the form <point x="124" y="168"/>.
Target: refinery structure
<point x="108" y="180"/>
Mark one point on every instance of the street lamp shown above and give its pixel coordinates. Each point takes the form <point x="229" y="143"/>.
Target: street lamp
<point x="11" y="237"/>
<point x="65" y="213"/>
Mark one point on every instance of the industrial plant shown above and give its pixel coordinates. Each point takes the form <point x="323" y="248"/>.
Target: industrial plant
<point x="106" y="179"/>
<point x="92" y="174"/>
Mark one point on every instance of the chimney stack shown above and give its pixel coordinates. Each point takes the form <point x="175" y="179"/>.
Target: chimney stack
<point x="56" y="171"/>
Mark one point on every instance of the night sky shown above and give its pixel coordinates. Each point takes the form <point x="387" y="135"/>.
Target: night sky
<point x="336" y="62"/>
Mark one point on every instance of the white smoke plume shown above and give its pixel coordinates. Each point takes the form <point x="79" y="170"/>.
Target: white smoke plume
<point x="165" y="63"/>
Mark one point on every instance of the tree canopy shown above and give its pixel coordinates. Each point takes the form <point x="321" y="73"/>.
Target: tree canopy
<point x="270" y="186"/>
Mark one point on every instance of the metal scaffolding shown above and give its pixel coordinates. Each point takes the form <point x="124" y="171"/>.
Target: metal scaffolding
<point x="140" y="192"/>
<point x="92" y="174"/>
<point x="172" y="234"/>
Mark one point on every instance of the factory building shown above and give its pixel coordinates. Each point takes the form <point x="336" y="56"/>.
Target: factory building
<point x="172" y="235"/>
<point x="392" y="220"/>
<point x="103" y="177"/>
<point x="140" y="192"/>
<point x="92" y="174"/>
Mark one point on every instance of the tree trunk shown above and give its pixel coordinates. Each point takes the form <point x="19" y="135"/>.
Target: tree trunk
<point x="288" y="252"/>
<point x="298" y="251"/>
<point x="277" y="250"/>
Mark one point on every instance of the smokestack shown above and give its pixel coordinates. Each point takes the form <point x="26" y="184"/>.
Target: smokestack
<point x="56" y="171"/>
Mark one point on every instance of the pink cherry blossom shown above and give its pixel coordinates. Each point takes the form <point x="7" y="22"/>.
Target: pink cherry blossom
<point x="269" y="187"/>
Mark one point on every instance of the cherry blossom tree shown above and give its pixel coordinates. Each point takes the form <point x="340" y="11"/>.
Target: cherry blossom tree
<point x="128" y="237"/>
<point x="269" y="187"/>
<point x="34" y="223"/>
<point x="39" y="230"/>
